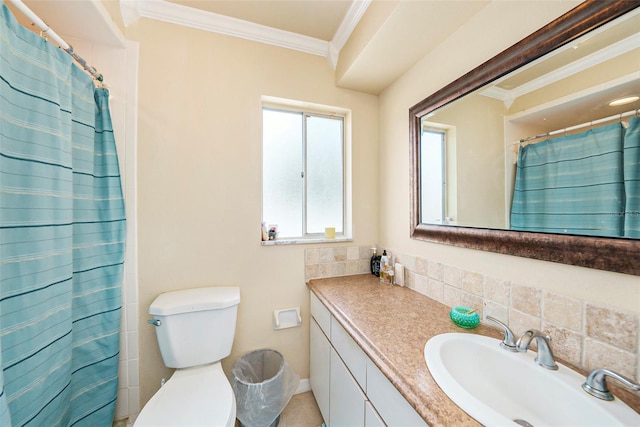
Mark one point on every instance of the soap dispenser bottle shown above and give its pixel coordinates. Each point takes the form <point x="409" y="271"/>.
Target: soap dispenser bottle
<point x="375" y="262"/>
<point x="384" y="264"/>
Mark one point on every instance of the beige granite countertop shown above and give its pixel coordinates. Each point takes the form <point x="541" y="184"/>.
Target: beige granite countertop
<point x="392" y="325"/>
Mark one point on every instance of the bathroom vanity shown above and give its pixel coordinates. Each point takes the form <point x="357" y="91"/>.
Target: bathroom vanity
<point x="367" y="366"/>
<point x="349" y="388"/>
<point x="367" y="362"/>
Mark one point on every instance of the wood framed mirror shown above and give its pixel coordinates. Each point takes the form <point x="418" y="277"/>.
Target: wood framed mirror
<point x="606" y="253"/>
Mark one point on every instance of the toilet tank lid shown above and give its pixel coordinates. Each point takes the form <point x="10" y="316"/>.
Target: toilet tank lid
<point x="197" y="299"/>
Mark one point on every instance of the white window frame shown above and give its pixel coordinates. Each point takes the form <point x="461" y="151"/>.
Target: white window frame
<point x="274" y="103"/>
<point x="442" y="178"/>
<point x="450" y="170"/>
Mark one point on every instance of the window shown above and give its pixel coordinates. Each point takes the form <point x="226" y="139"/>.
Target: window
<point x="432" y="176"/>
<point x="303" y="172"/>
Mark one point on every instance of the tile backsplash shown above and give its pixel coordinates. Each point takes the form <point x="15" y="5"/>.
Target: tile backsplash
<point x="337" y="261"/>
<point x="583" y="333"/>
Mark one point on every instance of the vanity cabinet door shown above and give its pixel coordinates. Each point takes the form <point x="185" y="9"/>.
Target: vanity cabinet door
<point x="371" y="417"/>
<point x="319" y="375"/>
<point x="347" y="399"/>
<point x="390" y="404"/>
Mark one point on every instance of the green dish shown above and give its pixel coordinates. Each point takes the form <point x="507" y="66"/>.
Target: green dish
<point x="460" y="316"/>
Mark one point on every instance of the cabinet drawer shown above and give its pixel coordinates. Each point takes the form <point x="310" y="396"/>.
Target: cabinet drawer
<point x="390" y="404"/>
<point x="350" y="352"/>
<point x="321" y="314"/>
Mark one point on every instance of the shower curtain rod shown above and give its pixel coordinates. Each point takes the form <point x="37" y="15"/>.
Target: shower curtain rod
<point x="582" y="125"/>
<point x="50" y="33"/>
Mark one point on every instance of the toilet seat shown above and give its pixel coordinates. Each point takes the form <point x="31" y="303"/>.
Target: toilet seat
<point x="200" y="396"/>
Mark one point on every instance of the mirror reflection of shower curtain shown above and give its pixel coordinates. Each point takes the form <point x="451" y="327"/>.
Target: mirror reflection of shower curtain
<point x="632" y="178"/>
<point x="572" y="184"/>
<point x="62" y="234"/>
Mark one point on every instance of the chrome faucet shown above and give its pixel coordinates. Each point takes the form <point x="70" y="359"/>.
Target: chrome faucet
<point x="509" y="340"/>
<point x="545" y="355"/>
<point x="596" y="383"/>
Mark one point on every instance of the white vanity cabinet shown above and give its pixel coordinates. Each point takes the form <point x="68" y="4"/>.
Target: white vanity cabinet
<point x="390" y="404"/>
<point x="347" y="400"/>
<point x="319" y="374"/>
<point x="371" y="417"/>
<point x="349" y="389"/>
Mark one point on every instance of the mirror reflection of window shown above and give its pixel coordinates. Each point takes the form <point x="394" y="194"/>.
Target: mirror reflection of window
<point x="432" y="180"/>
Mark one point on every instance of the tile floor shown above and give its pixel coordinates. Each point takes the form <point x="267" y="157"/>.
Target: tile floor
<point x="301" y="411"/>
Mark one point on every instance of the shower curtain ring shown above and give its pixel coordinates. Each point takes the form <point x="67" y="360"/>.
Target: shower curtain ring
<point x="43" y="31"/>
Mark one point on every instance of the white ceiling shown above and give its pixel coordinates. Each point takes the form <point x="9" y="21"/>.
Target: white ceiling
<point x="403" y="31"/>
<point x="83" y="20"/>
<point x="390" y="36"/>
<point x="319" y="19"/>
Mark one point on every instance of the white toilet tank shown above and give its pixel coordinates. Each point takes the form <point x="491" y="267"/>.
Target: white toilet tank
<point x="196" y="326"/>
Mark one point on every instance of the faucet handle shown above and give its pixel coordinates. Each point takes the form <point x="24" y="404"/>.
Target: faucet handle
<point x="596" y="383"/>
<point x="509" y="340"/>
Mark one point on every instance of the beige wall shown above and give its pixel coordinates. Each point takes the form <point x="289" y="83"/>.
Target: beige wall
<point x="478" y="152"/>
<point x="199" y="180"/>
<point x="199" y="175"/>
<point x="501" y="24"/>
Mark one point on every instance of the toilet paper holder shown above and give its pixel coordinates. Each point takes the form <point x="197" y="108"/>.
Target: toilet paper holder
<point x="286" y="318"/>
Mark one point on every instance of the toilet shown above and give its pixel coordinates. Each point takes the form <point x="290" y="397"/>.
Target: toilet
<point x="195" y="330"/>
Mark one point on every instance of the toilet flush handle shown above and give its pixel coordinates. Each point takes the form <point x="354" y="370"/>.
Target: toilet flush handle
<point x="154" y="322"/>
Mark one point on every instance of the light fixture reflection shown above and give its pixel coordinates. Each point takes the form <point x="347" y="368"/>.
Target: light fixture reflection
<point x="623" y="101"/>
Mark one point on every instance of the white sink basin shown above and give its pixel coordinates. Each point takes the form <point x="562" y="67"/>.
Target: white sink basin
<point x="497" y="387"/>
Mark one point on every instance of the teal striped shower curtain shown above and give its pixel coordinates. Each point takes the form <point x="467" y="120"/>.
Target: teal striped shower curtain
<point x="632" y="179"/>
<point x="573" y="184"/>
<point x="62" y="226"/>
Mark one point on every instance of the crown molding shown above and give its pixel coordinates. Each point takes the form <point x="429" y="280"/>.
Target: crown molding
<point x="603" y="55"/>
<point x="333" y="56"/>
<point x="349" y="23"/>
<point x="129" y="11"/>
<point x="627" y="78"/>
<point x="173" y="13"/>
<point x="496" y="93"/>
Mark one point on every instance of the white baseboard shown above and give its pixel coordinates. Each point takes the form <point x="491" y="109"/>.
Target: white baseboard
<point x="303" y="387"/>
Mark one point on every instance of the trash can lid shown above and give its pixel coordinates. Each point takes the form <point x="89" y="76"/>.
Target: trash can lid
<point x="196" y="299"/>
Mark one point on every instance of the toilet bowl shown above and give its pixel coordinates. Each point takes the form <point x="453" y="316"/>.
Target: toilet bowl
<point x="195" y="330"/>
<point x="200" y="396"/>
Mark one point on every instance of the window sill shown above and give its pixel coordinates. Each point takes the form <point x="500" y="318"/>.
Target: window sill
<point x="301" y="241"/>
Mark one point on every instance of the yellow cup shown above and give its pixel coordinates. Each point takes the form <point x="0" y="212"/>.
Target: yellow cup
<point x="330" y="232"/>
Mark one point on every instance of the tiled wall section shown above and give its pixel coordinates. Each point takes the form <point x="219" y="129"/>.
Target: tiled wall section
<point x="338" y="261"/>
<point x="583" y="333"/>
